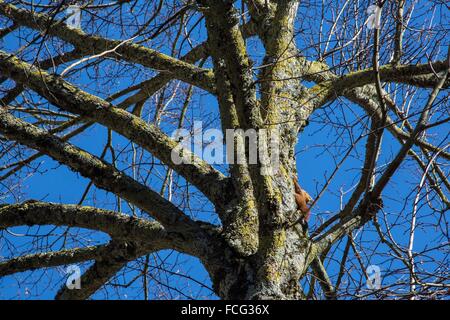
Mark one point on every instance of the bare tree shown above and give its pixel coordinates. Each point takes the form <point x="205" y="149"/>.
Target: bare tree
<point x="367" y="105"/>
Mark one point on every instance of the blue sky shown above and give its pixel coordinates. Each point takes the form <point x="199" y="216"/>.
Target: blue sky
<point x="318" y="143"/>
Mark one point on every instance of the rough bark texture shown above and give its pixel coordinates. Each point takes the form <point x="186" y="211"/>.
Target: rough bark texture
<point x="260" y="251"/>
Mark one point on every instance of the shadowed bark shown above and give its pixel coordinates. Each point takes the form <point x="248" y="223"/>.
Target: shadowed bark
<point x="257" y="245"/>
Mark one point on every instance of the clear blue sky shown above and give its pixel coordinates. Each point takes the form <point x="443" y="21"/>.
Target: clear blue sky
<point x="318" y="144"/>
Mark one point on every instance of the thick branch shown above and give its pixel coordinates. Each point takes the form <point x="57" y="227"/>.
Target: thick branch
<point x="102" y="270"/>
<point x="90" y="44"/>
<point x="371" y="203"/>
<point x="227" y="42"/>
<point x="422" y="75"/>
<point x="132" y="237"/>
<point x="102" y="174"/>
<point x="51" y="259"/>
<point x="365" y="96"/>
<point x="149" y="87"/>
<point x="324" y="280"/>
<point x="118" y="226"/>
<point x="69" y="98"/>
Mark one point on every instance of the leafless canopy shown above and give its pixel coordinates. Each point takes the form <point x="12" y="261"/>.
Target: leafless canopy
<point x="363" y="118"/>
